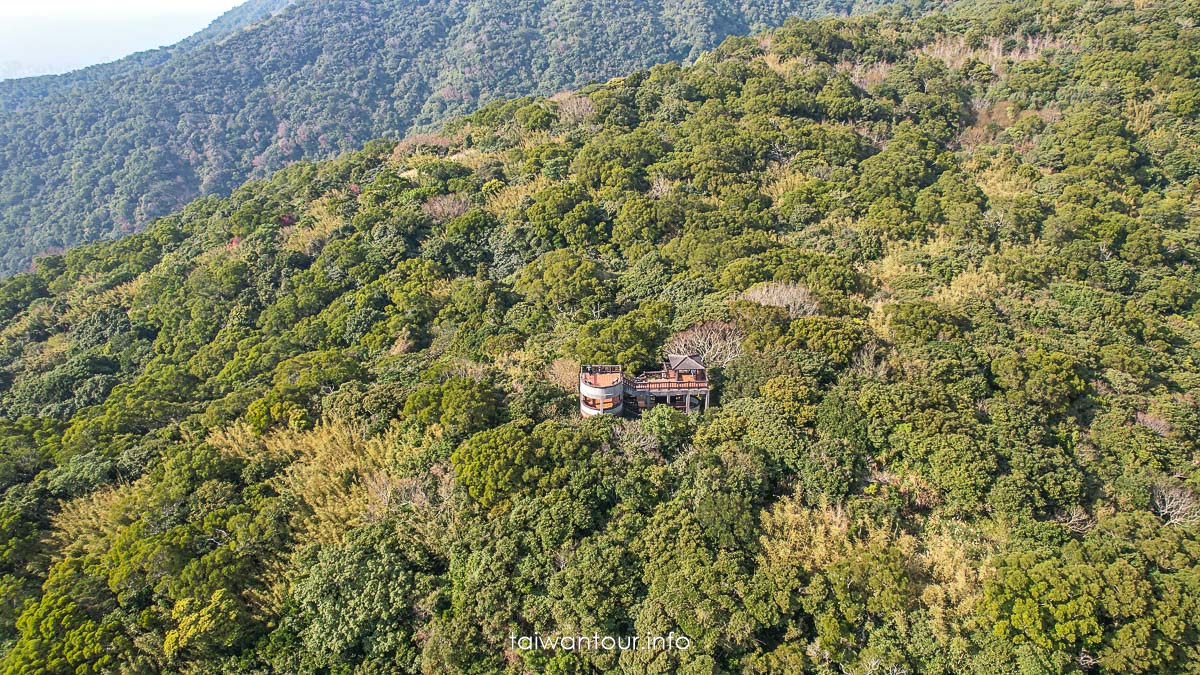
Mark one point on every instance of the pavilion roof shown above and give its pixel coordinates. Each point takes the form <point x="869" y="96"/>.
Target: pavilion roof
<point x="684" y="362"/>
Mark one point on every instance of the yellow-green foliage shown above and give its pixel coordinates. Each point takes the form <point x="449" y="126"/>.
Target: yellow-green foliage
<point x="945" y="270"/>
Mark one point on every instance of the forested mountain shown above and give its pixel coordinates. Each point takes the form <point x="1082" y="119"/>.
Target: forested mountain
<point x="98" y="154"/>
<point x="24" y="92"/>
<point x="945" y="272"/>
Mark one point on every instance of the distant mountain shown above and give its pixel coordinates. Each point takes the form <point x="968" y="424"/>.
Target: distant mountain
<point x="21" y="93"/>
<point x="238" y="18"/>
<point x="101" y="152"/>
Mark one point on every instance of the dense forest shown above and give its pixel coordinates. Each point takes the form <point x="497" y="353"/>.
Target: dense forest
<point x="944" y="270"/>
<point x="21" y="93"/>
<point x="99" y="154"/>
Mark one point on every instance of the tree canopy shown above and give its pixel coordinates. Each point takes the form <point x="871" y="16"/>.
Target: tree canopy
<point x="948" y="261"/>
<point x="103" y="152"/>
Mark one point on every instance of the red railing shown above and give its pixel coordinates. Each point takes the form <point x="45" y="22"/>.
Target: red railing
<point x="666" y="385"/>
<point x="601" y="376"/>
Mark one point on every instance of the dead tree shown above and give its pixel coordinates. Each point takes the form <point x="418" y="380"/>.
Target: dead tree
<point x="717" y="342"/>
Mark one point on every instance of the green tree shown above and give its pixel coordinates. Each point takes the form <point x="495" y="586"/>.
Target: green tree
<point x="631" y="340"/>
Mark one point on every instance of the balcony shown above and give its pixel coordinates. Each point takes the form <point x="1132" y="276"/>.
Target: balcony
<point x="670" y="381"/>
<point x="591" y="407"/>
<point x="601" y="377"/>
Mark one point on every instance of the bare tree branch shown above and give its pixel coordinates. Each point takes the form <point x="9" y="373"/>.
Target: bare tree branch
<point x="796" y="298"/>
<point x="1176" y="504"/>
<point x="717" y="342"/>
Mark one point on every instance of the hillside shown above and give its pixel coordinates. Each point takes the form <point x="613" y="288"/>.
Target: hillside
<point x="24" y="92"/>
<point x="944" y="270"/>
<point x="99" y="154"/>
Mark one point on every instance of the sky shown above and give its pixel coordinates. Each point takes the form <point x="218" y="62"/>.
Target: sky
<point x="39" y="37"/>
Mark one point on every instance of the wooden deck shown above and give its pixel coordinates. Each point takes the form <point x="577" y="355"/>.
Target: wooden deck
<point x="663" y="382"/>
<point x="601" y="380"/>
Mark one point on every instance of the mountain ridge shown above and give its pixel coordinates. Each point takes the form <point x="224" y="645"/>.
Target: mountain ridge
<point x="19" y="92"/>
<point x="130" y="142"/>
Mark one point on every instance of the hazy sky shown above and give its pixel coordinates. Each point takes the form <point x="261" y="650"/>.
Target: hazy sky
<point x="53" y="36"/>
